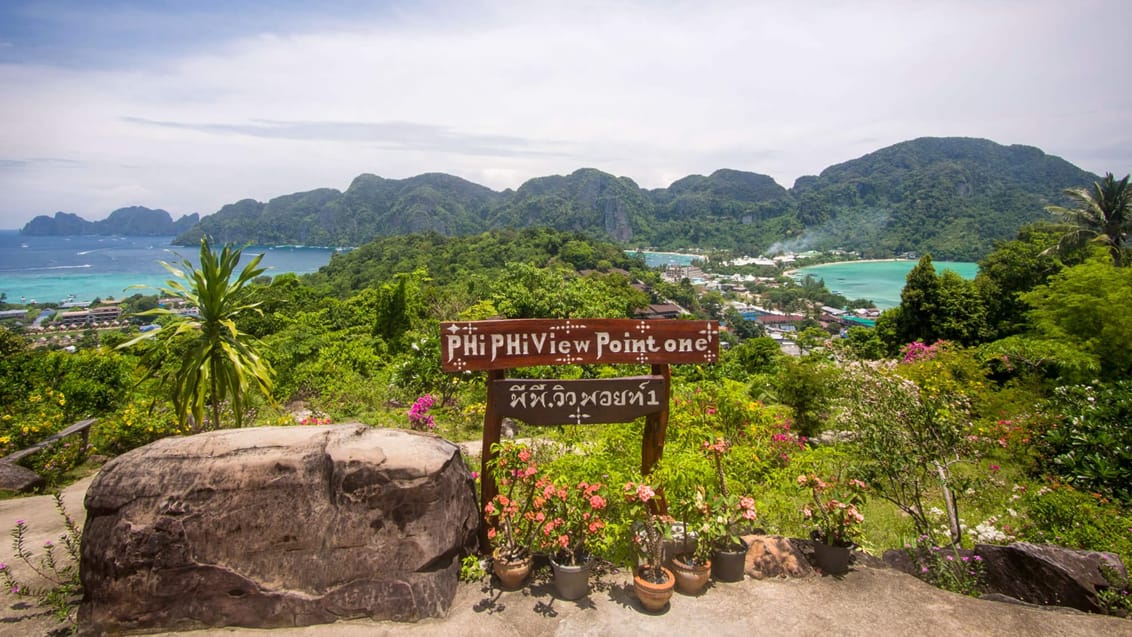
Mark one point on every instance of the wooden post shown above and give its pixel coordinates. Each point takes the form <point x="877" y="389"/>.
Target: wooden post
<point x="656" y="425"/>
<point x="492" y="425"/>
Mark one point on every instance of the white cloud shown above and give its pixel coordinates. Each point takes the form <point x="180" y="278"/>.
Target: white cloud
<point x="498" y="93"/>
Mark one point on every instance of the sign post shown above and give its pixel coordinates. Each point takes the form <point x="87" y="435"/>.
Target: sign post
<point x="498" y="345"/>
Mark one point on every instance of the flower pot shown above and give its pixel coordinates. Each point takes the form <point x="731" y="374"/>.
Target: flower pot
<point x="729" y="565"/>
<point x="511" y="572"/>
<point x="653" y="596"/>
<point x="691" y="578"/>
<point x="571" y="582"/>
<point x="833" y="560"/>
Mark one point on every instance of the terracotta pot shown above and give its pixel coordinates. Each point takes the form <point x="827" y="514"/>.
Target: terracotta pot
<point x="571" y="582"/>
<point x="730" y="565"/>
<point x="511" y="573"/>
<point x="833" y="560"/>
<point x="653" y="596"/>
<point x="690" y="579"/>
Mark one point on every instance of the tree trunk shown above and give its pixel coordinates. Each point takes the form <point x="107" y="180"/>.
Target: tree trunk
<point x="949" y="503"/>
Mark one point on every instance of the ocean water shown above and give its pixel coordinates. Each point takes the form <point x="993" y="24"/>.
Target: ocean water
<point x="54" y="269"/>
<point x="660" y="259"/>
<point x="880" y="281"/>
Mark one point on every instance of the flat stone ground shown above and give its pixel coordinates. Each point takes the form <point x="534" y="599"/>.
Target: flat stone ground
<point x="869" y="602"/>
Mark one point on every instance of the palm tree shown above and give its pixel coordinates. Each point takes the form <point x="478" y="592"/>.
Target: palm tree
<point x="1103" y="215"/>
<point x="211" y="359"/>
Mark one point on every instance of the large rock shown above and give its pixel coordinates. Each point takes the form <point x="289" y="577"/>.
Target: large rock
<point x="775" y="556"/>
<point x="1049" y="575"/>
<point x="13" y="477"/>
<point x="276" y="526"/>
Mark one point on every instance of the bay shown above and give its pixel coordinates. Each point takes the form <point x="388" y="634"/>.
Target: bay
<point x="82" y="268"/>
<point x="879" y="281"/>
<point x="661" y="259"/>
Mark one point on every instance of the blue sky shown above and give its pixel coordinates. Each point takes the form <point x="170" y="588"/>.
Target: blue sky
<point x="189" y="105"/>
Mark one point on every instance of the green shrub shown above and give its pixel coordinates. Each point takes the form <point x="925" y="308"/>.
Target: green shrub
<point x="1090" y="446"/>
<point x="1067" y="517"/>
<point x="133" y="426"/>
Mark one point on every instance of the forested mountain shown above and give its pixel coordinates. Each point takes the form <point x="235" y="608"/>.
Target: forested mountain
<point x="587" y="200"/>
<point x="135" y="220"/>
<point x="371" y="207"/>
<point x="952" y="197"/>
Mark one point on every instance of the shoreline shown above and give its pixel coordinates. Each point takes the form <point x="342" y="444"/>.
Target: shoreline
<point x="792" y="271"/>
<point x="671" y="254"/>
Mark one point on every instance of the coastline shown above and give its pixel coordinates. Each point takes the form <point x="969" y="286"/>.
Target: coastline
<point x="669" y="254"/>
<point x="792" y="271"/>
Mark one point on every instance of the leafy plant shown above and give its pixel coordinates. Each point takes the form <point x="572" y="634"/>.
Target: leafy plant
<point x="133" y="426"/>
<point x="655" y="528"/>
<point x="472" y="569"/>
<point x="214" y="361"/>
<point x="512" y="510"/>
<point x="910" y="439"/>
<point x="59" y="569"/>
<point x="1090" y="446"/>
<point x="834" y="509"/>
<point x="419" y="418"/>
<point x="569" y="518"/>
<point x="947" y="567"/>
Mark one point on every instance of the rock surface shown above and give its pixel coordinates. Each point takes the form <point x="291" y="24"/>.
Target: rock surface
<point x="276" y="526"/>
<point x="775" y="556"/>
<point x="13" y="477"/>
<point x="1048" y="575"/>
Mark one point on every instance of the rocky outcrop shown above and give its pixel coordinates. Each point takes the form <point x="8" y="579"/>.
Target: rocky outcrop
<point x="1049" y="575"/>
<point x="278" y="526"/>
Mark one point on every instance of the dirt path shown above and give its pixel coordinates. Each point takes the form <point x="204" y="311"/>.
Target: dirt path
<point x="868" y="602"/>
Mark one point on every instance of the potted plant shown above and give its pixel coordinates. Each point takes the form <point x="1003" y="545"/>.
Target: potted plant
<point x="569" y="519"/>
<point x="692" y="563"/>
<point x="726" y="516"/>
<point x="833" y="508"/>
<point x="512" y="512"/>
<point x="652" y="582"/>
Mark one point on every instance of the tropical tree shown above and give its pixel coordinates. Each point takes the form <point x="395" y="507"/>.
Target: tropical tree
<point x="1102" y="215"/>
<point x="1085" y="306"/>
<point x="199" y="354"/>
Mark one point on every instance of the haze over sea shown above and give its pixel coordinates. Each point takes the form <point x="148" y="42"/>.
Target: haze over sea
<point x="51" y="269"/>
<point x="880" y="281"/>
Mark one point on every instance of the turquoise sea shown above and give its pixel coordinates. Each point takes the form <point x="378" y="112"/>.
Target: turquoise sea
<point x="880" y="281"/>
<point x="660" y="259"/>
<point x="81" y="268"/>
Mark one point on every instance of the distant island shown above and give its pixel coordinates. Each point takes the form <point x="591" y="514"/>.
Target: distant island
<point x="952" y="197"/>
<point x="131" y="221"/>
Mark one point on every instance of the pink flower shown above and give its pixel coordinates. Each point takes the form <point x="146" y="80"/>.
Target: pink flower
<point x="645" y="493"/>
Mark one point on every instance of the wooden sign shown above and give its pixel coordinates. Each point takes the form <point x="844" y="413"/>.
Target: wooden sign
<point x="580" y="402"/>
<point x="506" y="344"/>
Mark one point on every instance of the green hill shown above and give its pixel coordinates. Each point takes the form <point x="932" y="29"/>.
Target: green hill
<point x="952" y="197"/>
<point x="135" y="221"/>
